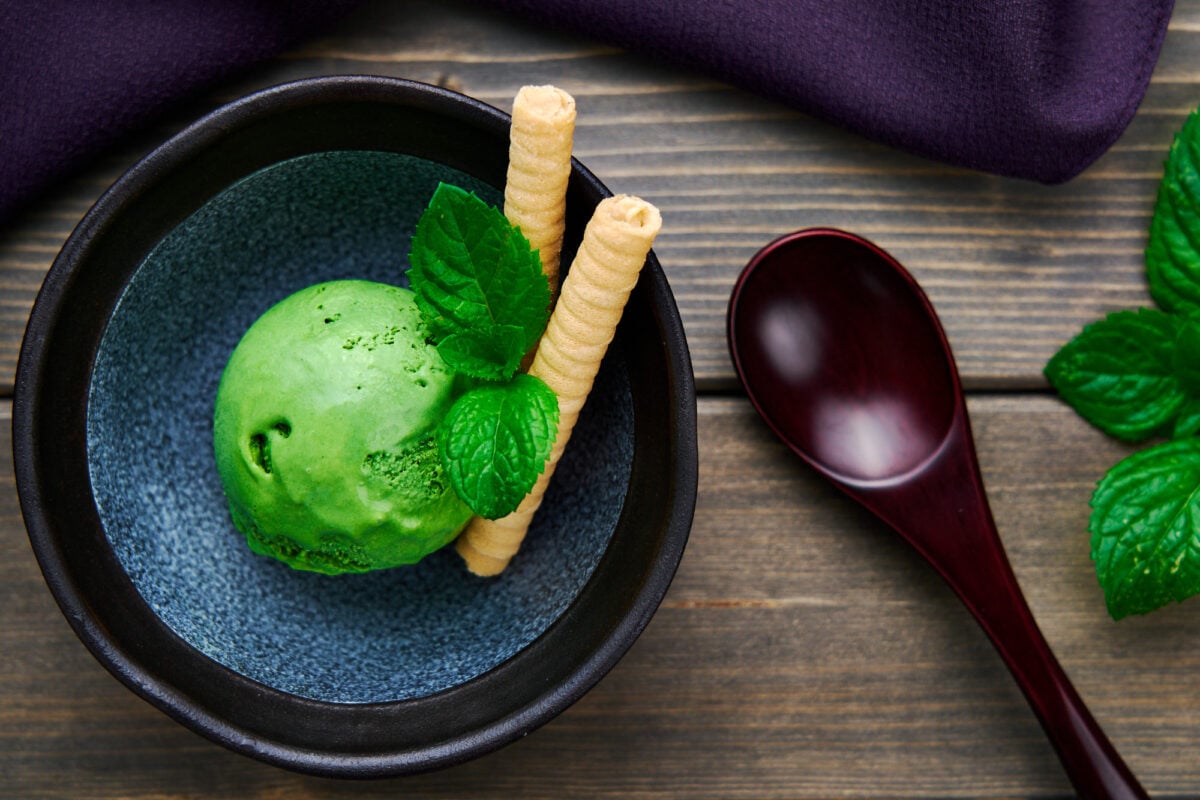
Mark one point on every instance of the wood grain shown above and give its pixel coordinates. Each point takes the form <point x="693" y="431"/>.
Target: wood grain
<point x="1014" y="268"/>
<point x="802" y="651"/>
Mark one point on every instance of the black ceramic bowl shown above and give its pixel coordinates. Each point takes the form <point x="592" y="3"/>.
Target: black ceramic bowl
<point x="388" y="673"/>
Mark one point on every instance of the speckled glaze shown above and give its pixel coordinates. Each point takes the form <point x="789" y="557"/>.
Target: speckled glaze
<point x="390" y="635"/>
<point x="392" y="672"/>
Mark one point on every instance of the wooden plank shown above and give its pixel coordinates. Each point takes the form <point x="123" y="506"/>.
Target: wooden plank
<point x="1014" y="268"/>
<point x="802" y="651"/>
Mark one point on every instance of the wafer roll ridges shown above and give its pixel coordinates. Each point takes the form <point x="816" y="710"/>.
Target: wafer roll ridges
<point x="604" y="272"/>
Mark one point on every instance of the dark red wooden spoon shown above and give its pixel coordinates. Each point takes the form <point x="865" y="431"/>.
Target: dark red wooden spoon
<point x="842" y="354"/>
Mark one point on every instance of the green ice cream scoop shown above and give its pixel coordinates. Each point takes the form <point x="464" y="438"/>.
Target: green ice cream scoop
<point x="324" y="432"/>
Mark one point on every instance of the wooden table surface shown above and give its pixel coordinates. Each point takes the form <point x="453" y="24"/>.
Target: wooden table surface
<point x="802" y="651"/>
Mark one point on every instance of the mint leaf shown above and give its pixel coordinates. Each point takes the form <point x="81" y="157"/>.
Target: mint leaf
<point x="495" y="440"/>
<point x="1173" y="249"/>
<point x="1186" y="356"/>
<point x="471" y="270"/>
<point x="1145" y="528"/>
<point x="484" y="352"/>
<point x="1188" y="421"/>
<point x="1119" y="373"/>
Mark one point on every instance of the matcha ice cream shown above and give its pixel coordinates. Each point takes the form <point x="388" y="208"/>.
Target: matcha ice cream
<point x="324" y="432"/>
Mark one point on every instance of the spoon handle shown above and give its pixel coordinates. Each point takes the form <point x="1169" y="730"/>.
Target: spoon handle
<point x="1091" y="762"/>
<point x="966" y="549"/>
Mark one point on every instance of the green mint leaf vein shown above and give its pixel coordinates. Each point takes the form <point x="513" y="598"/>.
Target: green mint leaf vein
<point x="1173" y="249"/>
<point x="1145" y="536"/>
<point x="1120" y="373"/>
<point x="495" y="441"/>
<point x="473" y="274"/>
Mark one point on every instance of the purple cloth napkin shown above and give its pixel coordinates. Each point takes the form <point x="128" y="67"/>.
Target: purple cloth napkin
<point x="75" y="75"/>
<point x="1030" y="88"/>
<point x="1035" y="89"/>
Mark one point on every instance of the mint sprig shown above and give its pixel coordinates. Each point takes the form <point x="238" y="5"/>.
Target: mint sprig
<point x="1135" y="375"/>
<point x="495" y="441"/>
<point x="476" y="278"/>
<point x="485" y="300"/>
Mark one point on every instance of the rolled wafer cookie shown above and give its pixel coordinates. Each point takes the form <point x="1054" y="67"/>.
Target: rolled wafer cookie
<point x="539" y="165"/>
<point x="615" y="244"/>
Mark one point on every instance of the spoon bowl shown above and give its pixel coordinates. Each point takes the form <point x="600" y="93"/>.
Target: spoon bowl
<point x="863" y="419"/>
<point x="843" y="356"/>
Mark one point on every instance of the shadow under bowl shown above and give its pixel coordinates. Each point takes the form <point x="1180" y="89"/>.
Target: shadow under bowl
<point x="387" y="673"/>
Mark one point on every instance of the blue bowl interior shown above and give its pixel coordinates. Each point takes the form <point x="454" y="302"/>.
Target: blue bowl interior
<point x="386" y="636"/>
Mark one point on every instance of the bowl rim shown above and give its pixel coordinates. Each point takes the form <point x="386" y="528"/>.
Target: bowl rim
<point x="34" y="371"/>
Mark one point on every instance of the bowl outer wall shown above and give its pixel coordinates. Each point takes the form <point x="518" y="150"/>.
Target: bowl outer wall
<point x="101" y="603"/>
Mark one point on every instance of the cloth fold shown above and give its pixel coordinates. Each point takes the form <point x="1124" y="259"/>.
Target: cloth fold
<point x="77" y="75"/>
<point x="1035" y="89"/>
